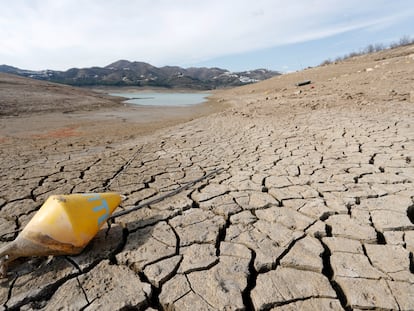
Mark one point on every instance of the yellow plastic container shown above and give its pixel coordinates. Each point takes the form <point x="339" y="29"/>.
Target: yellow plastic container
<point x="64" y="224"/>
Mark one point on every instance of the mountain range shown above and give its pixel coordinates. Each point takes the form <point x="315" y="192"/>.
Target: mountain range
<point x="126" y="73"/>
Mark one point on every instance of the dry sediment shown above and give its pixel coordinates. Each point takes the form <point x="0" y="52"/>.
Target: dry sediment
<point x="313" y="207"/>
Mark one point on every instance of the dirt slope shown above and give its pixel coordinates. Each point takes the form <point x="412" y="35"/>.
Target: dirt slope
<point x="22" y="96"/>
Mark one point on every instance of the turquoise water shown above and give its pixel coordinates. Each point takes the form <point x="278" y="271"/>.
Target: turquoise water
<point x="164" y="99"/>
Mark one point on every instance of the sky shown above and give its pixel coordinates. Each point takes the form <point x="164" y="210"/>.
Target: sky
<point x="233" y="34"/>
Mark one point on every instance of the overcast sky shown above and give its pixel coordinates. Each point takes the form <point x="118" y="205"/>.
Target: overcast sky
<point x="233" y="34"/>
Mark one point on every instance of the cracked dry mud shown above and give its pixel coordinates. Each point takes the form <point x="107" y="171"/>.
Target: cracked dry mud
<point x="313" y="208"/>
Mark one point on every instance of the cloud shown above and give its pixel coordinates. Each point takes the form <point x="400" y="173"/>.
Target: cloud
<point x="59" y="34"/>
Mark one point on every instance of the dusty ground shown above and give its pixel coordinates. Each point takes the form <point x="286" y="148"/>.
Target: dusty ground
<point x="312" y="208"/>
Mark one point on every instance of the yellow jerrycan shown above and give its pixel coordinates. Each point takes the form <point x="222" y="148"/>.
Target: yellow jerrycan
<point x="63" y="225"/>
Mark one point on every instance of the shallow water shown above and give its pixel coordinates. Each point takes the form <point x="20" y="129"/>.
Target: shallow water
<point x="164" y="99"/>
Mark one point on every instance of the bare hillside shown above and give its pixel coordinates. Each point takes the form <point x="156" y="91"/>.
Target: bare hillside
<point x="20" y="95"/>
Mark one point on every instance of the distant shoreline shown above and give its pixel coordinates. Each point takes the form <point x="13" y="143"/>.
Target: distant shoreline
<point x="139" y="89"/>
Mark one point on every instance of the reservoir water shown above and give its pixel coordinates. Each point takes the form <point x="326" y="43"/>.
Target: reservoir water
<point x="163" y="99"/>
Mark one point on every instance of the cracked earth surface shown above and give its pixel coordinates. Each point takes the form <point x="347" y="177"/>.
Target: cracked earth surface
<point x="312" y="207"/>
